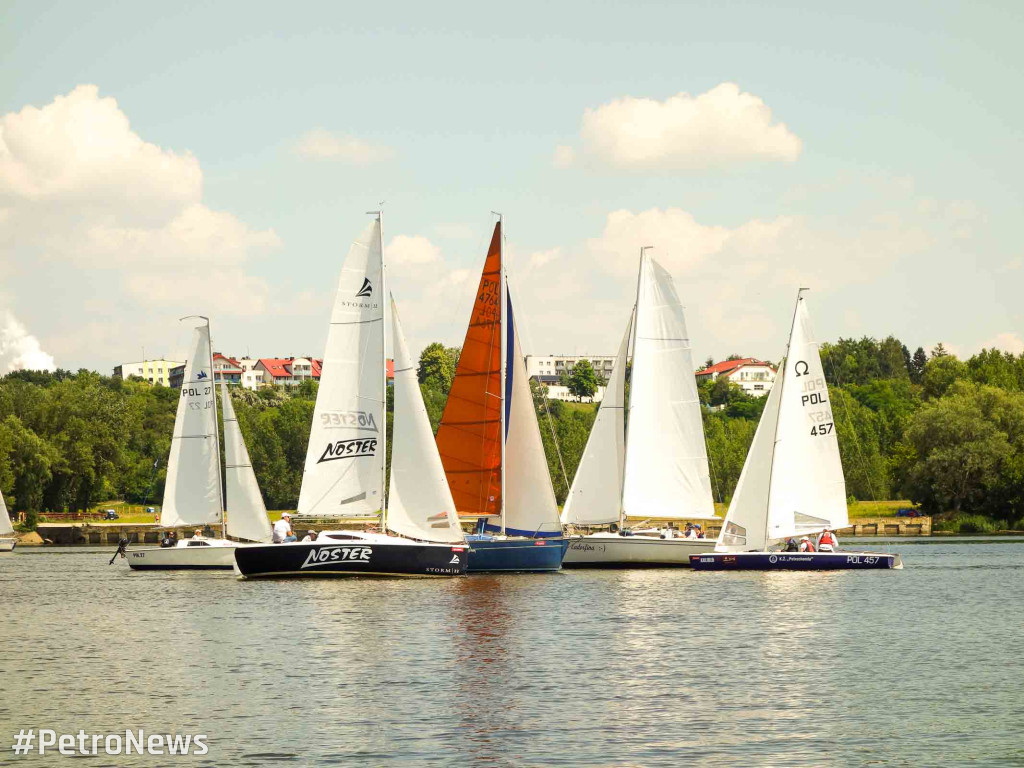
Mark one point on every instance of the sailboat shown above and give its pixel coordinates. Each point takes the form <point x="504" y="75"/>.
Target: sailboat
<point x="792" y="482"/>
<point x="193" y="492"/>
<point x="7" y="540"/>
<point x="660" y="468"/>
<point x="490" y="442"/>
<point x="345" y="462"/>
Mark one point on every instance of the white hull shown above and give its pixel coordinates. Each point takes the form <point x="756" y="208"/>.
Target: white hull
<point x="610" y="550"/>
<point x="7" y="545"/>
<point x="219" y="554"/>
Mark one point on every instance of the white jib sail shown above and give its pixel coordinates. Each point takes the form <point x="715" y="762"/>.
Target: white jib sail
<point x="530" y="506"/>
<point x="595" y="497"/>
<point x="420" y="503"/>
<point x="6" y="529"/>
<point x="246" y="513"/>
<point x="746" y="523"/>
<point x="192" y="493"/>
<point x="345" y="457"/>
<point x="808" y="492"/>
<point x="666" y="458"/>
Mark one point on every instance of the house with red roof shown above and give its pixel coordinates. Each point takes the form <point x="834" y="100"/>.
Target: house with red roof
<point x="753" y="376"/>
<point x="226" y="369"/>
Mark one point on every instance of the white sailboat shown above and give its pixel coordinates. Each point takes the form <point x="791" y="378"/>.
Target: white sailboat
<point x="7" y="540"/>
<point x="660" y="469"/>
<point x="792" y="483"/>
<point x="192" y="493"/>
<point x="345" y="460"/>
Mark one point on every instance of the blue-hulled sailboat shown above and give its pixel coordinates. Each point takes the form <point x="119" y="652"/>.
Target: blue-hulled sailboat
<point x="490" y="443"/>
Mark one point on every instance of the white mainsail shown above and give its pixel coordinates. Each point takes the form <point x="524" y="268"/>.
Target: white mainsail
<point x="420" y="503"/>
<point x="595" y="497"/>
<point x="246" y="514"/>
<point x="192" y="493"/>
<point x="744" y="527"/>
<point x="344" y="461"/>
<point x="529" y="503"/>
<point x="6" y="529"/>
<point x="808" y="491"/>
<point x="666" y="459"/>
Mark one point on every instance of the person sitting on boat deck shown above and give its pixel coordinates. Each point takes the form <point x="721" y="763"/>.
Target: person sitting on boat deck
<point x="283" y="529"/>
<point x="828" y="541"/>
<point x="169" y="540"/>
<point x="198" y="534"/>
<point x="699" y="530"/>
<point x="806" y="545"/>
<point x="691" y="532"/>
<point x="791" y="545"/>
<point x="310" y="536"/>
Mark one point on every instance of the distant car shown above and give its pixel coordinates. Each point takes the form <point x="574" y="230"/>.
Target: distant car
<point x="109" y="514"/>
<point x="908" y="512"/>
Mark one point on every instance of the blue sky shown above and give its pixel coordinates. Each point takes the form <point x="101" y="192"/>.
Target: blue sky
<point x="900" y="208"/>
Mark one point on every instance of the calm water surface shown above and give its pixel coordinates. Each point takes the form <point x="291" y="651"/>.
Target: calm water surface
<point x="923" y="666"/>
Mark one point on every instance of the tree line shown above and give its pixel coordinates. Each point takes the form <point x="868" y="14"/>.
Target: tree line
<point x="943" y="432"/>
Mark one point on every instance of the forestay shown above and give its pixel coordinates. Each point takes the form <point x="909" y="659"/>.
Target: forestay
<point x="192" y="492"/>
<point x="595" y="497"/>
<point x="420" y="504"/>
<point x="343" y="473"/>
<point x="246" y="514"/>
<point x="666" y="459"/>
<point x="808" y="492"/>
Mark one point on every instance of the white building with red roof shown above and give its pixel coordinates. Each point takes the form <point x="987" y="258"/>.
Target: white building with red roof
<point x="753" y="376"/>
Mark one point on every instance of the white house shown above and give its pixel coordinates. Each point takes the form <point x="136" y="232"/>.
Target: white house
<point x="753" y="376"/>
<point x="548" y="369"/>
<point x="153" y="371"/>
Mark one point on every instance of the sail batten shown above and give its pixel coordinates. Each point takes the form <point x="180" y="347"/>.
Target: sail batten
<point x="192" y="491"/>
<point x="345" y="456"/>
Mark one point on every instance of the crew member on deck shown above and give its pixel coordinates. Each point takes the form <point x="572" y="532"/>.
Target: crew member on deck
<point x="806" y="545"/>
<point x="791" y="545"/>
<point x="310" y="536"/>
<point x="283" y="529"/>
<point x="828" y="541"/>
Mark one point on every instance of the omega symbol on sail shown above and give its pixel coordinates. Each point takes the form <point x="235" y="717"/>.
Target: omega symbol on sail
<point x="367" y="289"/>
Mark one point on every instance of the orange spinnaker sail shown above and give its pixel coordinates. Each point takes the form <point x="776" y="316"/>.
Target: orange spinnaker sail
<point x="469" y="438"/>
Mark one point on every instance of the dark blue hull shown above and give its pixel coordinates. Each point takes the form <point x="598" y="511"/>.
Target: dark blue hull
<point x="793" y="561"/>
<point x="487" y="553"/>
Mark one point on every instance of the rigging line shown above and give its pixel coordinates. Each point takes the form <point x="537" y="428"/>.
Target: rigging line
<point x="554" y="437"/>
<point x="711" y="463"/>
<point x="853" y="430"/>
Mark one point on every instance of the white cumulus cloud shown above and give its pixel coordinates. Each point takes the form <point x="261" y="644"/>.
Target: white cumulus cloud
<point x="20" y="350"/>
<point x="108" y="233"/>
<point x="321" y="144"/>
<point x="404" y="250"/>
<point x="1007" y="341"/>
<point x="723" y="127"/>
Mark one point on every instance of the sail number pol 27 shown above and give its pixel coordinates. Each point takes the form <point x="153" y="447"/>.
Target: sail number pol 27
<point x="198" y="392"/>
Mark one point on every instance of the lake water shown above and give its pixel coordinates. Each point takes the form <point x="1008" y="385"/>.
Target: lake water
<point x="923" y="666"/>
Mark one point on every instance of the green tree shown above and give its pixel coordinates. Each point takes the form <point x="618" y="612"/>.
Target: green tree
<point x="918" y="363"/>
<point x="583" y="381"/>
<point x="437" y="366"/>
<point x="940" y="373"/>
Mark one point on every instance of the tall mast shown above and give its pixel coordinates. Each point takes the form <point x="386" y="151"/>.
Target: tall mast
<point x="502" y="323"/>
<point x="625" y="406"/>
<point x="383" y="371"/>
<point x="775" y="436"/>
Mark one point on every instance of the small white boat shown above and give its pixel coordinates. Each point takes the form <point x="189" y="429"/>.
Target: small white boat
<point x="792" y="483"/>
<point x="192" y="494"/>
<point x="660" y="469"/>
<point x="7" y="540"/>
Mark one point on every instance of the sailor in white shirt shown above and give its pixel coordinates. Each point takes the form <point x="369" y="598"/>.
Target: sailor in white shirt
<point x="828" y="541"/>
<point x="283" y="529"/>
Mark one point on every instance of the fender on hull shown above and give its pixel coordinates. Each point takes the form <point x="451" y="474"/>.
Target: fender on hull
<point x="354" y="558"/>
